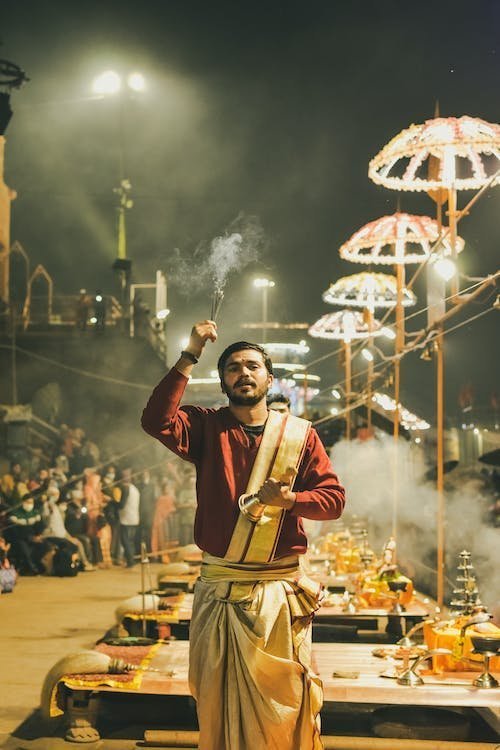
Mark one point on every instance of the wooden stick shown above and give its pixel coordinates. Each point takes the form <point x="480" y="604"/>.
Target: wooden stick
<point x="184" y="739"/>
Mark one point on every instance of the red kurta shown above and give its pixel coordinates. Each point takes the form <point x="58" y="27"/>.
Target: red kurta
<point x="216" y="443"/>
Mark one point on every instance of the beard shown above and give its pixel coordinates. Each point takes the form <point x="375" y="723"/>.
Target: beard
<point x="250" y="399"/>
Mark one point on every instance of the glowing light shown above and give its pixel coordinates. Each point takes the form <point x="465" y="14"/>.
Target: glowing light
<point x="136" y="82"/>
<point x="288" y="366"/>
<point x="388" y="333"/>
<point x="108" y="82"/>
<point x="303" y="376"/>
<point x="367" y="355"/>
<point x="262" y="283"/>
<point x="162" y="314"/>
<point x="445" y="268"/>
<point x="444" y="139"/>
<point x="336" y="394"/>
<point x="344" y="325"/>
<point x="334" y="410"/>
<point x="372" y="290"/>
<point x="408" y="420"/>
<point x="402" y="238"/>
<point x="418" y="440"/>
<point x="476" y="431"/>
<point x="98" y="298"/>
<point x="93" y="320"/>
<point x="203" y="381"/>
<point x="286" y="348"/>
<point x="184" y="342"/>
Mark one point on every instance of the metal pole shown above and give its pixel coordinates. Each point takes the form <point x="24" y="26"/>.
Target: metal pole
<point x="399" y="346"/>
<point x="264" y="314"/>
<point x="131" y="311"/>
<point x="440" y="520"/>
<point x="347" y="350"/>
<point x="14" y="356"/>
<point x="399" y="342"/>
<point x="452" y="222"/>
<point x="144" y="562"/>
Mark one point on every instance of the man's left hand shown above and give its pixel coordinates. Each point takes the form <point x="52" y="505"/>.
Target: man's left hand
<point x="275" y="493"/>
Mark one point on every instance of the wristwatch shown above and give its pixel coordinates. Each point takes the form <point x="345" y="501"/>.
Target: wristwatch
<point x="190" y="356"/>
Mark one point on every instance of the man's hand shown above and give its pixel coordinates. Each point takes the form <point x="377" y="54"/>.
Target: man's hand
<point x="275" y="493"/>
<point x="202" y="332"/>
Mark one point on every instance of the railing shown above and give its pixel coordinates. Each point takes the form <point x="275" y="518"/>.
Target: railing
<point x="60" y="310"/>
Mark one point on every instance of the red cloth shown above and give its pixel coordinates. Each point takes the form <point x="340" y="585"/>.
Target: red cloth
<point x="216" y="443"/>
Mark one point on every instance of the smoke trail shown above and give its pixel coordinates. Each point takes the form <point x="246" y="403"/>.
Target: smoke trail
<point x="366" y="469"/>
<point x="211" y="263"/>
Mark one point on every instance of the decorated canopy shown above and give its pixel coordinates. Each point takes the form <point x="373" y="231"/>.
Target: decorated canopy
<point x="345" y="325"/>
<point x="371" y="290"/>
<point x="400" y="238"/>
<point x="455" y="152"/>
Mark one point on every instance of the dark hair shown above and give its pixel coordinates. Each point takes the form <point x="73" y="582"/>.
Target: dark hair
<point x="238" y="346"/>
<point x="278" y="398"/>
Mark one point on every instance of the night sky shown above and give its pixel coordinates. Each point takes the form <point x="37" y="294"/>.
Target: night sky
<point x="273" y="109"/>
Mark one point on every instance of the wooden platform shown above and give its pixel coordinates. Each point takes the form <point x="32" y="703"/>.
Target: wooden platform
<point x="415" y="612"/>
<point x="453" y="689"/>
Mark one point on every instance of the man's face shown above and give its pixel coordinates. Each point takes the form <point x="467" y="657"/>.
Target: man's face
<point x="279" y="406"/>
<point x="245" y="378"/>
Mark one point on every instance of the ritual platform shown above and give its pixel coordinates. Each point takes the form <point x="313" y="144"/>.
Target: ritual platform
<point x="351" y="674"/>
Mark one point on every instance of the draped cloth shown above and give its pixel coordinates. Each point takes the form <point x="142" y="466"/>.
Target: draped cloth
<point x="250" y="657"/>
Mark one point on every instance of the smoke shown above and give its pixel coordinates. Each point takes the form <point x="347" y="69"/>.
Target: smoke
<point x="210" y="265"/>
<point x="372" y="470"/>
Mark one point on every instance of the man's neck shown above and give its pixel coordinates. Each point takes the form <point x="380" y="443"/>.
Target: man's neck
<point x="251" y="415"/>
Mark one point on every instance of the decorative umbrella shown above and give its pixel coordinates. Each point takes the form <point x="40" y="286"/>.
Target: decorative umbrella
<point x="346" y="326"/>
<point x="441" y="156"/>
<point x="368" y="290"/>
<point x="400" y="238"/>
<point x="403" y="164"/>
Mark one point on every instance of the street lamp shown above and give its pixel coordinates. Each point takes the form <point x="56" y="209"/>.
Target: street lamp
<point x="107" y="84"/>
<point x="264" y="284"/>
<point x="445" y="268"/>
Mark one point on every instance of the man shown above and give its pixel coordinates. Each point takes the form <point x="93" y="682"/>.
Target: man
<point x="147" y="492"/>
<point x="279" y="402"/>
<point x="25" y="526"/>
<point x="129" y="516"/>
<point x="250" y="636"/>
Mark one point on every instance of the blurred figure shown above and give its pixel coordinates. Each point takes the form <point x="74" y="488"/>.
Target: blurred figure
<point x="129" y="516"/>
<point x="75" y="520"/>
<point x="99" y="311"/>
<point x="112" y="495"/>
<point x="164" y="523"/>
<point x="186" y="509"/>
<point x="147" y="491"/>
<point x="23" y="533"/>
<point x="278" y="402"/>
<point x="82" y="310"/>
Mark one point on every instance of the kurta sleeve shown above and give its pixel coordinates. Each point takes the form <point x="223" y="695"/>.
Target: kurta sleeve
<point x="319" y="494"/>
<point x="180" y="429"/>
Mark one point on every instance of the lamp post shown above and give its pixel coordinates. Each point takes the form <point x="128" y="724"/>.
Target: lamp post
<point x="264" y="284"/>
<point x="346" y="326"/>
<point x="112" y="84"/>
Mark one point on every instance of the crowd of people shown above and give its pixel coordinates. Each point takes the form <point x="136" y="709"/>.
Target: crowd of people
<point x="73" y="513"/>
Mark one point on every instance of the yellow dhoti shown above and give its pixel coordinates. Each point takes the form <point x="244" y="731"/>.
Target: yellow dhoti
<point x="250" y="657"/>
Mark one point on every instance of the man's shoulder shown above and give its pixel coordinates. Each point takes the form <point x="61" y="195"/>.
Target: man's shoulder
<point x="207" y="412"/>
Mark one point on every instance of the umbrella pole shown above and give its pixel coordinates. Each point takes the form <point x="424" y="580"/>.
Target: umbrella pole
<point x="452" y="223"/>
<point x="440" y="466"/>
<point x="399" y="344"/>
<point x="347" y="358"/>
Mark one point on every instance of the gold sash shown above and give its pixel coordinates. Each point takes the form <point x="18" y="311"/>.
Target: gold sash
<point x="281" y="449"/>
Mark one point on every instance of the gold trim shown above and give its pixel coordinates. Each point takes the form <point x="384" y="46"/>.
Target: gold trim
<point x="281" y="449"/>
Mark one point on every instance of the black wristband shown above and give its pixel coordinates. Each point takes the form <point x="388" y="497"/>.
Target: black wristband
<point x="191" y="357"/>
